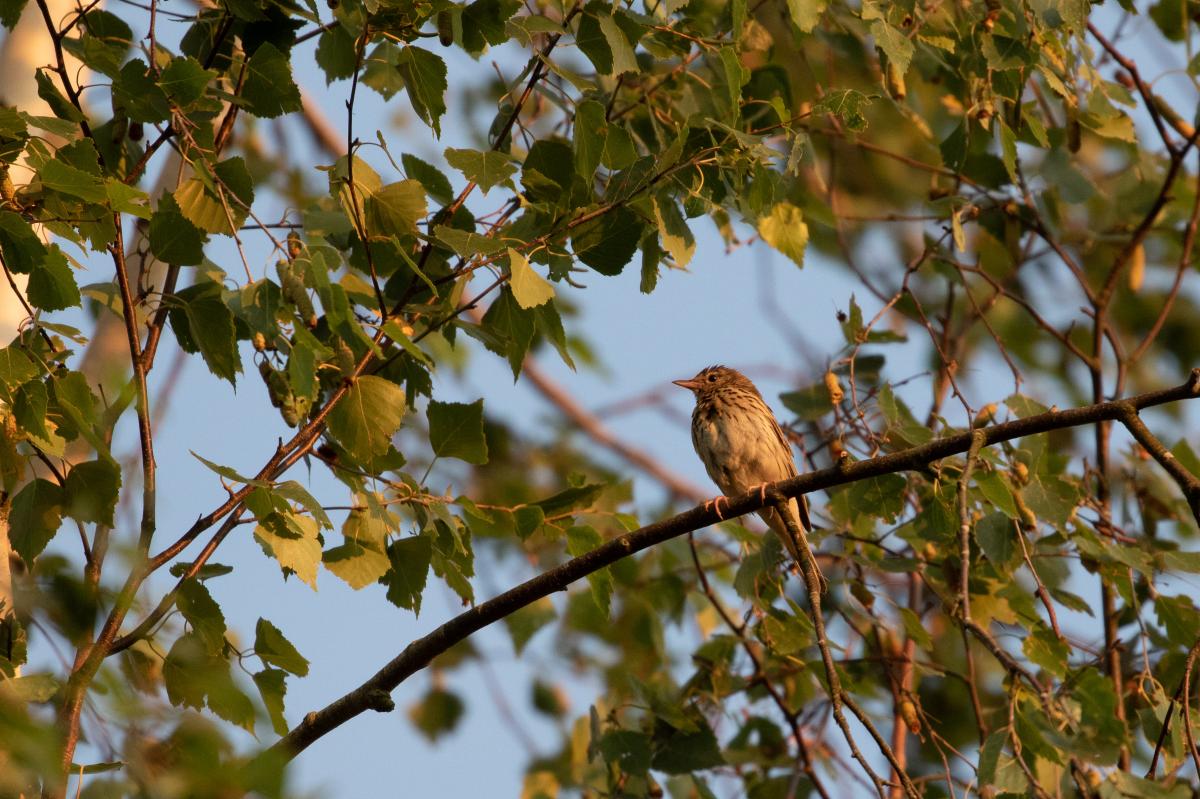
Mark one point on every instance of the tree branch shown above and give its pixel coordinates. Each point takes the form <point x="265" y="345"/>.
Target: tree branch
<point x="418" y="654"/>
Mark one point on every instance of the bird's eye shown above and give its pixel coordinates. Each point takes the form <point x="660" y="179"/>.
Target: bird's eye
<point x="712" y="378"/>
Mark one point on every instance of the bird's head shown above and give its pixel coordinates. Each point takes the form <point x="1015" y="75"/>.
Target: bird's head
<point x="713" y="379"/>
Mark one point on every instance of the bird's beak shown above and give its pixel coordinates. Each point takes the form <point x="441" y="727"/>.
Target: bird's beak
<point x="690" y="385"/>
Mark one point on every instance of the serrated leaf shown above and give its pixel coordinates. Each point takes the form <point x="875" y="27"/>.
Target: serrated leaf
<point x="528" y="287"/>
<point x="435" y="183"/>
<point x="580" y="541"/>
<point x="184" y="80"/>
<point x="895" y="44"/>
<point x="486" y="169"/>
<point x="608" y="243"/>
<point x="466" y="243"/>
<point x="34" y="517"/>
<point x="410" y="558"/>
<point x="676" y="236"/>
<point x="91" y="491"/>
<point x="274" y="649"/>
<point x="203" y="614"/>
<point x="358" y="564"/>
<point x="269" y="90"/>
<point x="424" y="75"/>
<point x="456" y="431"/>
<point x="785" y="230"/>
<point x="395" y="209"/>
<point x="272" y="687"/>
<point x="845" y="104"/>
<point x="623" y="59"/>
<point x="365" y="420"/>
<point x="173" y="237"/>
<point x="51" y="284"/>
<point x="203" y="323"/>
<point x="73" y="182"/>
<point x="295" y="545"/>
<point x="806" y="13"/>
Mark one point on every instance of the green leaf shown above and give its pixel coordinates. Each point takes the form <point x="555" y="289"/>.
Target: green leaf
<point x="629" y="749"/>
<point x="895" y="44"/>
<point x="10" y="12"/>
<point x="594" y="44"/>
<point x="272" y="688"/>
<point x="528" y="287"/>
<point x="424" y="75"/>
<point x="996" y="536"/>
<point x="35" y="517"/>
<point x="218" y="203"/>
<point x="203" y="614"/>
<point x="810" y="403"/>
<point x="269" y="90"/>
<point x="299" y="494"/>
<point x="580" y="541"/>
<point x="483" y="23"/>
<point x="173" y="238"/>
<point x="845" y="104"/>
<point x="673" y="229"/>
<point x="19" y="245"/>
<point x="51" y="285"/>
<point x="435" y="183"/>
<point x="48" y="90"/>
<point x="405" y="582"/>
<point x="203" y="323"/>
<point x="395" y="209"/>
<point x="126" y="199"/>
<point x="514" y="324"/>
<point x="549" y="323"/>
<point x="806" y="13"/>
<point x="136" y="91"/>
<point x="29" y="406"/>
<point x="608" y="243"/>
<point x="785" y="230"/>
<point x="528" y="620"/>
<point x="437" y="714"/>
<point x="485" y="169"/>
<point x="467" y="244"/>
<point x="356" y="563"/>
<point x="591" y="132"/>
<point x="294" y="544"/>
<point x="456" y="431"/>
<point x="275" y="650"/>
<point x="365" y="420"/>
<point x="679" y="752"/>
<point x="30" y="688"/>
<point x="230" y="473"/>
<point x="623" y="59"/>
<point x="1045" y="650"/>
<point x="184" y="80"/>
<point x="91" y="491"/>
<point x="66" y="179"/>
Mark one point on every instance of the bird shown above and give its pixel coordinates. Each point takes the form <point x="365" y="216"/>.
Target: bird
<point x="742" y="445"/>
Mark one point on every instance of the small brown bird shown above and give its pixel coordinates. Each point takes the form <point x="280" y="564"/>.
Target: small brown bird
<point x="741" y="444"/>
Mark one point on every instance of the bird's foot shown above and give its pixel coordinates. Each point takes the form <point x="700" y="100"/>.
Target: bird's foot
<point x="762" y="491"/>
<point x="714" y="504"/>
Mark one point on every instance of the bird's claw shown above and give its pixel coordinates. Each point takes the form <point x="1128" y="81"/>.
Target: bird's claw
<point x="714" y="504"/>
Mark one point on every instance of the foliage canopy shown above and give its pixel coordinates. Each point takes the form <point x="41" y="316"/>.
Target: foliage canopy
<point x="1025" y="180"/>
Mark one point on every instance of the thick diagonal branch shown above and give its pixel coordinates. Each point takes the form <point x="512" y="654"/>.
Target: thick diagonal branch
<point x="418" y="654"/>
